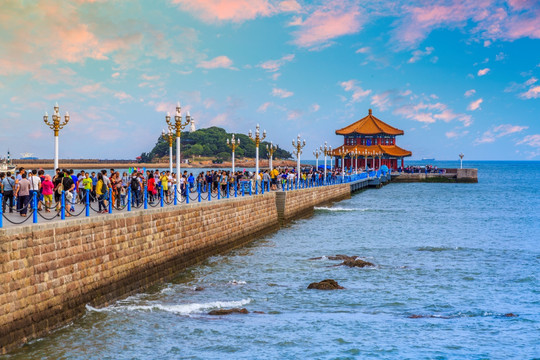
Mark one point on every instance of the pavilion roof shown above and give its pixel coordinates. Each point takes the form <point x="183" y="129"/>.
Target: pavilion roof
<point x="391" y="150"/>
<point x="369" y="125"/>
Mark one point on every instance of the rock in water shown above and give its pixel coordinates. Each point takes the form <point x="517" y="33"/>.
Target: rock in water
<point x="327" y="284"/>
<point x="343" y="257"/>
<point x="510" y="315"/>
<point x="199" y="288"/>
<point x="228" y="311"/>
<point x="357" y="263"/>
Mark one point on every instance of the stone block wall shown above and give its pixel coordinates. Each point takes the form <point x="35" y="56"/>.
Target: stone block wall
<point x="292" y="204"/>
<point x="49" y="272"/>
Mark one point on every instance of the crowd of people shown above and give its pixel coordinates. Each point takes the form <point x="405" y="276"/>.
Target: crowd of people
<point x="421" y="169"/>
<point x="18" y="189"/>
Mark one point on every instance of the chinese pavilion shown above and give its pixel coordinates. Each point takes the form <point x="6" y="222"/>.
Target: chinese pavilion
<point x="372" y="140"/>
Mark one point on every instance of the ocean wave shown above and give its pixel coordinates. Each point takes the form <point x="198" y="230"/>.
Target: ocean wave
<point x="180" y="309"/>
<point x="237" y="282"/>
<point x="439" y="248"/>
<point x="337" y="209"/>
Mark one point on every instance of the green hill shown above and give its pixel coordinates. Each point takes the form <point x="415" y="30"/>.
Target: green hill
<point x="211" y="142"/>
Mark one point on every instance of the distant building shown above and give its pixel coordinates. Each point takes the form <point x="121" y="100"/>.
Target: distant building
<point x="369" y="136"/>
<point x="192" y="126"/>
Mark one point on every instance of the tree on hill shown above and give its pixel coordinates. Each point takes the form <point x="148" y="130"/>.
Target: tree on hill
<point x="211" y="142"/>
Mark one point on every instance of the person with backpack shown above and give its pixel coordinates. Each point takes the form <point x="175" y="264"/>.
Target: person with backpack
<point x="135" y="186"/>
<point x="8" y="185"/>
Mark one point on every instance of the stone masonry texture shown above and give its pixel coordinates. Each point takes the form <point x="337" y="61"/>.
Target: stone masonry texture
<point x="50" y="271"/>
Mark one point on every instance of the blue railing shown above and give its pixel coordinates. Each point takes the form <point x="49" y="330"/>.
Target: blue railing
<point x="145" y="199"/>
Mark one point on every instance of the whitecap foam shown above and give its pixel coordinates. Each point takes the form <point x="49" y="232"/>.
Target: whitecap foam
<point x="237" y="282"/>
<point x="181" y="309"/>
<point x="336" y="208"/>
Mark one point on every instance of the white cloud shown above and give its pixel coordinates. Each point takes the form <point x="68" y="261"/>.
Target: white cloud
<point x="315" y="107"/>
<point x="455" y="134"/>
<point x="483" y="72"/>
<point x="275" y="65"/>
<point x="475" y="105"/>
<point x="418" y="54"/>
<point x="294" y="114"/>
<point x="531" y="140"/>
<point x="282" y="93"/>
<point x="497" y="132"/>
<point x="264" y="107"/>
<point x="470" y="93"/>
<point x="531" y="81"/>
<point x="121" y="95"/>
<point x="222" y="62"/>
<point x="363" y="50"/>
<point x="357" y="92"/>
<point x="500" y="56"/>
<point x="149" y="77"/>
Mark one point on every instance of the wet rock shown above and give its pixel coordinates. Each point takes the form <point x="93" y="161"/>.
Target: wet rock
<point x="510" y="315"/>
<point x="228" y="311"/>
<point x="259" y="312"/>
<point x="199" y="288"/>
<point x="327" y="284"/>
<point x="356" y="263"/>
<point x="416" y="316"/>
<point x="343" y="257"/>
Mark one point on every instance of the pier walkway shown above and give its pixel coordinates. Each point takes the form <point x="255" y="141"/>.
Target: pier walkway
<point x="82" y="209"/>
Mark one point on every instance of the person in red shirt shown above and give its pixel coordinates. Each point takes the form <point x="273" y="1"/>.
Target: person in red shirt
<point x="47" y="187"/>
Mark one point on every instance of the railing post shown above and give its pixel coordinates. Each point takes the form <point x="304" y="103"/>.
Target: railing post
<point x="209" y="192"/>
<point x="256" y="186"/>
<point x="146" y="196"/>
<point x="1" y="211"/>
<point x="34" y="207"/>
<point x="262" y="186"/>
<point x="235" y="189"/>
<point x="129" y="198"/>
<point x="161" y="197"/>
<point x="219" y="190"/>
<point x="250" y="188"/>
<point x="187" y="195"/>
<point x="199" y="191"/>
<point x="175" y="195"/>
<point x="244" y="189"/>
<point x="228" y="189"/>
<point x="87" y="196"/>
<point x="110" y="200"/>
<point x="63" y="206"/>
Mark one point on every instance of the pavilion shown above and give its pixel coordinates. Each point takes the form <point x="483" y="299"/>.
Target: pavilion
<point x="372" y="140"/>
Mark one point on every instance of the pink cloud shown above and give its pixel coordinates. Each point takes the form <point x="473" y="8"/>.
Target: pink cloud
<point x="235" y="10"/>
<point x="455" y="134"/>
<point x="475" y="105"/>
<point x="275" y="65"/>
<point x="470" y="93"/>
<point x="531" y="140"/>
<point x="329" y="21"/>
<point x="218" y="62"/>
<point x="264" y="107"/>
<point x="418" y="54"/>
<point x="357" y="92"/>
<point x="532" y="93"/>
<point x="499" y="131"/>
<point x="282" y="93"/>
<point x="483" y="72"/>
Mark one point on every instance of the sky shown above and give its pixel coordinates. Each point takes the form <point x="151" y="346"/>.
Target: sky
<point x="456" y="75"/>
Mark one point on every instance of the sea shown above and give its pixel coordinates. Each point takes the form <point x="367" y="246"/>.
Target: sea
<point x="456" y="275"/>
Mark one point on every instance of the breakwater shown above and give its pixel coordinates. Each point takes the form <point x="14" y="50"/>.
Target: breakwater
<point x="447" y="175"/>
<point x="50" y="272"/>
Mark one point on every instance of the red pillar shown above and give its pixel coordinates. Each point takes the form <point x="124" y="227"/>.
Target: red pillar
<point x="402" y="163"/>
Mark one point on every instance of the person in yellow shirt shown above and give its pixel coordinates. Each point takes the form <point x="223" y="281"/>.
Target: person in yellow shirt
<point x="274" y="175"/>
<point x="100" y="193"/>
<point x="164" y="184"/>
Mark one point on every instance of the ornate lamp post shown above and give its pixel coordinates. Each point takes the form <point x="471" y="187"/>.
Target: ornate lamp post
<point x="366" y="153"/>
<point x="354" y="154"/>
<point x="169" y="137"/>
<point x="317" y="153"/>
<point x="461" y="160"/>
<point x="298" y="145"/>
<point x="342" y="153"/>
<point x="233" y="144"/>
<point x="257" y="140"/>
<point x="178" y="126"/>
<point x="326" y="150"/>
<point x="380" y="159"/>
<point x="56" y="125"/>
<point x="271" y="150"/>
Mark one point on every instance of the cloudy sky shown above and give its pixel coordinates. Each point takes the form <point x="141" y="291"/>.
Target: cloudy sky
<point x="456" y="75"/>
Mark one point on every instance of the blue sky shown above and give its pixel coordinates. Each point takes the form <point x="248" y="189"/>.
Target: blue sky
<point x="456" y="76"/>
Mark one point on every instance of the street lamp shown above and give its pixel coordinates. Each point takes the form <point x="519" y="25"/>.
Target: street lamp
<point x="366" y="153"/>
<point x="271" y="150"/>
<point x="342" y="153"/>
<point x="56" y="125"/>
<point x="326" y="150"/>
<point x="178" y="126"/>
<point x="298" y="145"/>
<point x="317" y="153"/>
<point x="354" y="154"/>
<point x="169" y="137"/>
<point x="233" y="144"/>
<point x="257" y="140"/>
<point x="461" y="160"/>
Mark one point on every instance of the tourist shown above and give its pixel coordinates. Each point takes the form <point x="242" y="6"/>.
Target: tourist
<point x="101" y="191"/>
<point x="47" y="187"/>
<point x="23" y="194"/>
<point x="8" y="187"/>
<point x="35" y="185"/>
<point x="135" y="186"/>
<point x="68" y="186"/>
<point x="87" y="185"/>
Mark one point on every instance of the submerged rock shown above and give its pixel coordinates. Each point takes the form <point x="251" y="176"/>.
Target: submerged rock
<point x="199" y="288"/>
<point x="327" y="284"/>
<point x="343" y="257"/>
<point x="259" y="312"/>
<point x="228" y="311"/>
<point x="357" y="263"/>
<point x="416" y="316"/>
<point x="510" y="315"/>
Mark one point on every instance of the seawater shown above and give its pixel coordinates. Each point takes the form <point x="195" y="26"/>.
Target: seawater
<point x="455" y="257"/>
